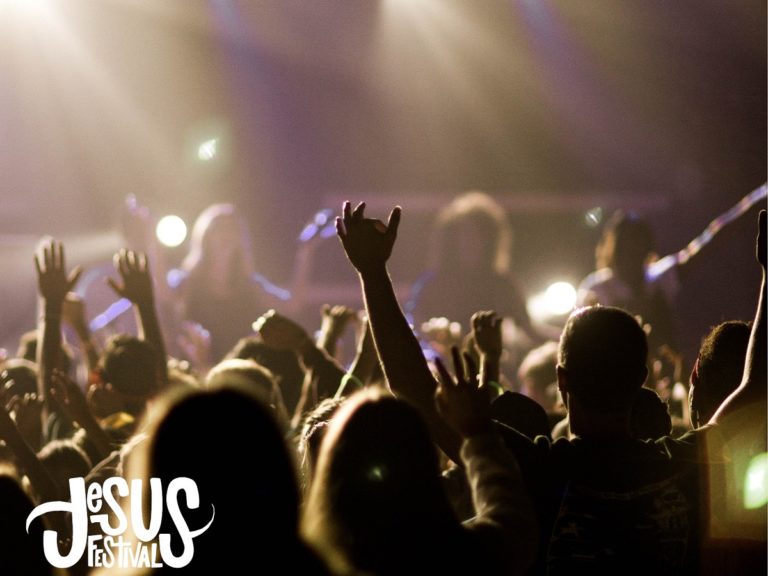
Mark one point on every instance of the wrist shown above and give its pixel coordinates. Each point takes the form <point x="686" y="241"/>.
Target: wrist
<point x="373" y="270"/>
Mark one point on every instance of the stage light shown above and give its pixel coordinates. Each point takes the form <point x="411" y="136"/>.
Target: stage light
<point x="557" y="300"/>
<point x="593" y="217"/>
<point x="756" y="482"/>
<point x="207" y="150"/>
<point x="560" y="298"/>
<point x="171" y="231"/>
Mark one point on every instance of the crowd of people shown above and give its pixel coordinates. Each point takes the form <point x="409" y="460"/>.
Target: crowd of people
<point x="591" y="453"/>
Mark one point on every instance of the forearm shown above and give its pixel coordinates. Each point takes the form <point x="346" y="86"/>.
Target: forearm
<point x="326" y="372"/>
<point x="149" y="330"/>
<point x="48" y="352"/>
<point x="490" y="370"/>
<point x="500" y="497"/>
<point x="752" y="389"/>
<point x="402" y="360"/>
<point x="88" y="347"/>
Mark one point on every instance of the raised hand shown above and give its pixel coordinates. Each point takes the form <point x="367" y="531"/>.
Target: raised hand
<point x="335" y="320"/>
<point x="367" y="242"/>
<point x="461" y="400"/>
<point x="281" y="333"/>
<point x="52" y="279"/>
<point x="136" y="278"/>
<point x="486" y="333"/>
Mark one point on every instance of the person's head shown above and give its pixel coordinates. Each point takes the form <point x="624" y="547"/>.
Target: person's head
<point x="376" y="500"/>
<point x="521" y="413"/>
<point x="220" y="235"/>
<point x="601" y="363"/>
<point x="21" y="552"/>
<point x="128" y="373"/>
<point x="472" y="232"/>
<point x="650" y="416"/>
<point x="228" y="443"/>
<point x="626" y="245"/>
<point x="313" y="431"/>
<point x="537" y="375"/>
<point x="718" y="370"/>
<point x="250" y="376"/>
<point x="283" y="364"/>
<point x="17" y="378"/>
<point x="64" y="459"/>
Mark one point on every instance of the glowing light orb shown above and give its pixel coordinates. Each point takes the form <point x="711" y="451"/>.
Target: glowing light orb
<point x="560" y="298"/>
<point x="756" y="482"/>
<point x="593" y="217"/>
<point x="171" y="231"/>
<point x="207" y="150"/>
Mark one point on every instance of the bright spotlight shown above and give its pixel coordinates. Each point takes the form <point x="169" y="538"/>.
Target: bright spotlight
<point x="171" y="231"/>
<point x="593" y="217"/>
<point x="207" y="150"/>
<point x="756" y="482"/>
<point x="558" y="299"/>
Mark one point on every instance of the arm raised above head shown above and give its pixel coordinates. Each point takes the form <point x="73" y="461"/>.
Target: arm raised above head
<point x="368" y="245"/>
<point x="752" y="390"/>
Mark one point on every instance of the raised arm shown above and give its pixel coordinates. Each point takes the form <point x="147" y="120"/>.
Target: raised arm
<point x="53" y="285"/>
<point x="501" y="500"/>
<point x="368" y="244"/>
<point x="752" y="390"/>
<point x="334" y="323"/>
<point x="137" y="287"/>
<point x="73" y="313"/>
<point x="486" y="332"/>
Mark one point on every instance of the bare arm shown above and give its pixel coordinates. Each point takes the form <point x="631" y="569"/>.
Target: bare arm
<point x="53" y="286"/>
<point x="137" y="287"/>
<point x="752" y="390"/>
<point x="368" y="244"/>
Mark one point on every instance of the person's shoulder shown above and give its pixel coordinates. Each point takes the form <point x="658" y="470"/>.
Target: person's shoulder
<point x="698" y="445"/>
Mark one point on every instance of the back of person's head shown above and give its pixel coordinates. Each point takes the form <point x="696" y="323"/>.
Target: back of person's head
<point x="521" y="413"/>
<point x="283" y="364"/>
<point x="64" y="459"/>
<point x="130" y="366"/>
<point x="537" y="375"/>
<point x="603" y="352"/>
<point x="250" y="376"/>
<point x="719" y="368"/>
<point x="626" y="243"/>
<point x="376" y="502"/>
<point x="650" y="416"/>
<point x="20" y="552"/>
<point x="228" y="443"/>
<point x="17" y="378"/>
<point x="313" y="431"/>
<point x="483" y="221"/>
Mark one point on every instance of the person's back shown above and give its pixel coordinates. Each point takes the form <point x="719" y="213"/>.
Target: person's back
<point x="607" y="502"/>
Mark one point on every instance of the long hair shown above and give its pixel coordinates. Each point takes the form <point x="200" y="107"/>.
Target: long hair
<point x="481" y="212"/>
<point x="211" y="225"/>
<point x="376" y="502"/>
<point x="210" y="437"/>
